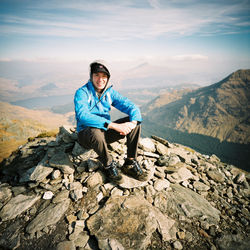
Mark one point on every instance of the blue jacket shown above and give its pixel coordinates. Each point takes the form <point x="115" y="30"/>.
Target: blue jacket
<point x="91" y="111"/>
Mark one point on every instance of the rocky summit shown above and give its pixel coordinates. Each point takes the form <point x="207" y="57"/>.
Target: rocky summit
<point x="53" y="195"/>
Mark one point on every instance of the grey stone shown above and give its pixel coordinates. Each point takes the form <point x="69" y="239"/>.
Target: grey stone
<point x="17" y="205"/>
<point x="61" y="161"/>
<point x="82" y="239"/>
<point x="184" y="201"/>
<point x="67" y="134"/>
<point x="18" y="190"/>
<point x="177" y="245"/>
<point x="78" y="149"/>
<point x="10" y="237"/>
<point x="5" y="194"/>
<point x="159" y="185"/>
<point x="151" y="155"/>
<point x="130" y="221"/>
<point x="200" y="186"/>
<point x="96" y="179"/>
<point x="93" y="164"/>
<point x="180" y="175"/>
<point x="66" y="245"/>
<point x="129" y="182"/>
<point x="216" y="175"/>
<point x="56" y="174"/>
<point x="161" y="149"/>
<point x="76" y="190"/>
<point x="48" y="195"/>
<point x="49" y="216"/>
<point x="37" y="173"/>
<point x="147" y="144"/>
<point x="232" y="242"/>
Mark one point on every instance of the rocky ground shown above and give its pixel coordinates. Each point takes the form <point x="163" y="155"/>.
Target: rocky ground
<point x="53" y="195"/>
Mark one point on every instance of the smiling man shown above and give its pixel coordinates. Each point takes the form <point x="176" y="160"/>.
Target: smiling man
<point x="93" y="102"/>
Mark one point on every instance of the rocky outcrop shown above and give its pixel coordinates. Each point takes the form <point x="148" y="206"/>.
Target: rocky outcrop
<point x="54" y="195"/>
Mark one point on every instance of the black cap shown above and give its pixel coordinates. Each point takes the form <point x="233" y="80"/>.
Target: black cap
<point x="97" y="67"/>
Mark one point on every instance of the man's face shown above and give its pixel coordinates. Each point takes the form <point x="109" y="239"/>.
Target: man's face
<point x="99" y="80"/>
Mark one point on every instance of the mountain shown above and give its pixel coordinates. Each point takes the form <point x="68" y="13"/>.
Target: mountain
<point x="220" y="110"/>
<point x="212" y="119"/>
<point x="17" y="124"/>
<point x="54" y="195"/>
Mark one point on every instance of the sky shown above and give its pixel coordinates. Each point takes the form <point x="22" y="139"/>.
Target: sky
<point x="180" y="40"/>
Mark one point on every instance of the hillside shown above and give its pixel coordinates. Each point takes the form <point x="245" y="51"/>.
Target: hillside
<point x="17" y="124"/>
<point x="220" y="110"/>
<point x="53" y="195"/>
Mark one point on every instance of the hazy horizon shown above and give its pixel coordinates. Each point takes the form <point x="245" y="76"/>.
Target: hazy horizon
<point x="46" y="47"/>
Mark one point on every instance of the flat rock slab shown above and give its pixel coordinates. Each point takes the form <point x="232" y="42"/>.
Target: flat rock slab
<point x="61" y="161"/>
<point x="128" y="222"/>
<point x="17" y="205"/>
<point x="49" y="216"/>
<point x="129" y="182"/>
<point x="184" y="201"/>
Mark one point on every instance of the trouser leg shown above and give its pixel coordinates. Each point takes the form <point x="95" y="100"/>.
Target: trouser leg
<point x="132" y="137"/>
<point x="98" y="139"/>
<point x="94" y="138"/>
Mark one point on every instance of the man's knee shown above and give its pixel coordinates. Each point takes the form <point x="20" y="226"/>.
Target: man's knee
<point x="96" y="135"/>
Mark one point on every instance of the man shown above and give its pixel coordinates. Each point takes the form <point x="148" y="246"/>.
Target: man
<point x="95" y="130"/>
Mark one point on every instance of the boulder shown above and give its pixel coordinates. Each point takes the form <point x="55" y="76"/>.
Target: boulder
<point x="129" y="222"/>
<point x="61" y="161"/>
<point x="49" y="216"/>
<point x="17" y="205"/>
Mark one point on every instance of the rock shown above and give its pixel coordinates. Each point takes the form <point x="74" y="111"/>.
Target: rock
<point x="161" y="149"/>
<point x="129" y="182"/>
<point x="184" y="201"/>
<point x="76" y="190"/>
<point x="177" y="245"/>
<point x="93" y="164"/>
<point x="5" y="194"/>
<point x="159" y="185"/>
<point x="200" y="186"/>
<point x="150" y="154"/>
<point x="147" y="144"/>
<point x="37" y="173"/>
<point x="61" y="161"/>
<point x="48" y="195"/>
<point x="216" y="176"/>
<point x="240" y="178"/>
<point x="180" y="175"/>
<point x="17" y="205"/>
<point x="18" y="190"/>
<point x="49" y="216"/>
<point x="56" y="174"/>
<point x="232" y="242"/>
<point x="66" y="245"/>
<point x="67" y="134"/>
<point x="130" y="221"/>
<point x="10" y="238"/>
<point x="96" y="179"/>
<point x="78" y="149"/>
<point x="82" y="239"/>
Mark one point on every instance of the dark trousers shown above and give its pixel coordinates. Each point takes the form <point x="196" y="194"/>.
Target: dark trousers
<point x="98" y="139"/>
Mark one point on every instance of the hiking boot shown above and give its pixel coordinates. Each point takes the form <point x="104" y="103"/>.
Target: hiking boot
<point x="112" y="173"/>
<point x="132" y="168"/>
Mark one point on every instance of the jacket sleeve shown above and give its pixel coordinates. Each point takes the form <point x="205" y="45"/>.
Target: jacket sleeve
<point x="126" y="106"/>
<point x="83" y="115"/>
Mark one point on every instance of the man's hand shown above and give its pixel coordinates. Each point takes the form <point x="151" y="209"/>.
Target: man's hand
<point x="123" y="128"/>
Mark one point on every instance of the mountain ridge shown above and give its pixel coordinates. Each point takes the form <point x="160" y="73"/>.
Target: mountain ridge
<point x="220" y="110"/>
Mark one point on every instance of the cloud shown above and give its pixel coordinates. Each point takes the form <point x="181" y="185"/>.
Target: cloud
<point x="125" y="21"/>
<point x="190" y="57"/>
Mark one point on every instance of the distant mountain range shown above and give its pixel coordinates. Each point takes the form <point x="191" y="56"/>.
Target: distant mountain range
<point x="212" y="119"/>
<point x="221" y="110"/>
